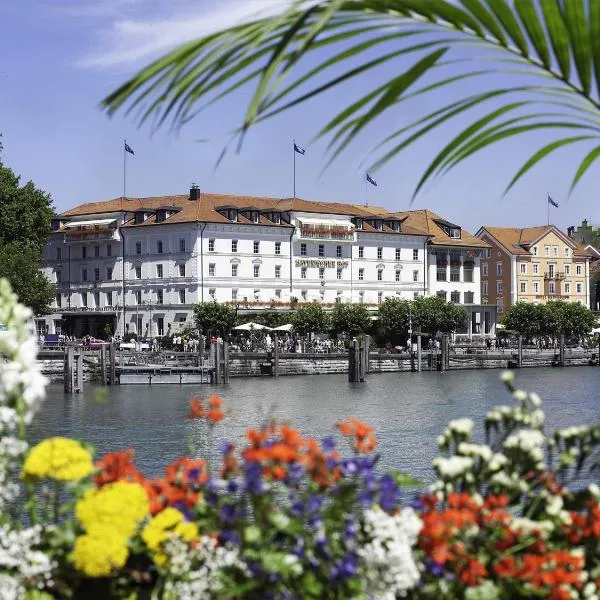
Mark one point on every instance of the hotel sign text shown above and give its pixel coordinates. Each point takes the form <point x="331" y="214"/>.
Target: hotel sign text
<point x="321" y="263"/>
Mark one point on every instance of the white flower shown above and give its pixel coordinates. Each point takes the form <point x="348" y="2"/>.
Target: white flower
<point x="554" y="505"/>
<point x="507" y="376"/>
<point x="530" y="442"/>
<point x="594" y="490"/>
<point x="461" y="426"/>
<point x="484" y="591"/>
<point x="520" y="395"/>
<point x="535" y="399"/>
<point x="475" y="450"/>
<point x="450" y="468"/>
<point x="527" y="526"/>
<point x="497" y="462"/>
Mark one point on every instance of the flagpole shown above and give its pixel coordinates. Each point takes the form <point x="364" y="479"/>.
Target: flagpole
<point x="124" y="166"/>
<point x="294" y="153"/>
<point x="365" y="184"/>
<point x="548" y="206"/>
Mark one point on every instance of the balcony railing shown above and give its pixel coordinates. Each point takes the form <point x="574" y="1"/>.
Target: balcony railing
<point x="327" y="232"/>
<point x="555" y="275"/>
<point x="101" y="233"/>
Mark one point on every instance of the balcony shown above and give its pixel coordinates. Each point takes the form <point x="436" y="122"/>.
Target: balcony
<point x="325" y="229"/>
<point x="90" y="234"/>
<point x="555" y="276"/>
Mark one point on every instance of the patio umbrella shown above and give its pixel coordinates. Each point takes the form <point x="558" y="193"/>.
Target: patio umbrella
<point x="286" y="327"/>
<point x="251" y="327"/>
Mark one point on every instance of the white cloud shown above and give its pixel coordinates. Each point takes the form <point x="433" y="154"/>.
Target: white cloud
<point x="137" y="30"/>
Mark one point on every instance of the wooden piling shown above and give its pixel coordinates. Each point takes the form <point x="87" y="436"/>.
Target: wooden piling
<point x="353" y="361"/>
<point x="365" y="344"/>
<point x="113" y="366"/>
<point x="103" y="364"/>
<point x="225" y="362"/>
<point x="561" y="350"/>
<point x="69" y="373"/>
<point x="419" y="352"/>
<point x="79" y="387"/>
<point x="520" y="351"/>
<point x="276" y="358"/>
<point x="445" y="348"/>
<point x="217" y="361"/>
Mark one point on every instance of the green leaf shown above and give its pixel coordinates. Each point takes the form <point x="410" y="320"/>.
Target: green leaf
<point x="586" y="163"/>
<point x="594" y="20"/>
<point x="531" y="23"/>
<point x="575" y="19"/>
<point x="312" y="586"/>
<point x="252" y="534"/>
<point x="558" y="34"/>
<point x="505" y="15"/>
<point x="486" y="19"/>
<point x="405" y="479"/>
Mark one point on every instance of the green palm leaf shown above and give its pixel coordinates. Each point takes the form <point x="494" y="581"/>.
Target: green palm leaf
<point x="551" y="48"/>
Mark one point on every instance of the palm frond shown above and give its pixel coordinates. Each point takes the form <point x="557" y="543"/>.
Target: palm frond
<point x="551" y="47"/>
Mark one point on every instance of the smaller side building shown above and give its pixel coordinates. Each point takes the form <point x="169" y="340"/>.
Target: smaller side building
<point x="533" y="264"/>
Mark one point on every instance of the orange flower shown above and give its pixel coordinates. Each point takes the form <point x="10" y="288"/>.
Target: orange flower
<point x="214" y="415"/>
<point x="215" y="402"/>
<point x="117" y="466"/>
<point x="473" y="572"/>
<point x="365" y="440"/>
<point x="197" y="410"/>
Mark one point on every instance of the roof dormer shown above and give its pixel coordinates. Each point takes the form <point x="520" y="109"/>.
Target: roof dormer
<point x="451" y="230"/>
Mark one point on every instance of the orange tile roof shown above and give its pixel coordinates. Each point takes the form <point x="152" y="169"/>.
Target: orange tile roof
<point x="517" y="239"/>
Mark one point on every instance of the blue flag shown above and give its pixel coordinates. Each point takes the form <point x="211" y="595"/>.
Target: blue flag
<point x="129" y="149"/>
<point x="550" y="201"/>
<point x="298" y="149"/>
<point x="371" y="180"/>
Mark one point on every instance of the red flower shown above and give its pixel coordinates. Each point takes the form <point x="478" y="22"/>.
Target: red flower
<point x="117" y="466"/>
<point x="473" y="572"/>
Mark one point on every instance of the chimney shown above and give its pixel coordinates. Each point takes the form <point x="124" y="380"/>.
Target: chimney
<point x="570" y="231"/>
<point x="194" y="193"/>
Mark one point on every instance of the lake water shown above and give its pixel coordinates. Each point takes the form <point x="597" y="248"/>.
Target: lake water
<point x="408" y="410"/>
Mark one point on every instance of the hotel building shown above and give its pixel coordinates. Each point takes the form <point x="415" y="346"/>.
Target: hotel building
<point x="140" y="265"/>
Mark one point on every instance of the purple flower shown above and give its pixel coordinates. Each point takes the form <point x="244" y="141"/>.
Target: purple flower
<point x="299" y="548"/>
<point x="230" y="536"/>
<point x="297" y="508"/>
<point x="225" y="447"/>
<point x="295" y="473"/>
<point x="350" y="529"/>
<point x="232" y="486"/>
<point x="417" y="504"/>
<point x="314" y="503"/>
<point x="331" y="463"/>
<point x="433" y="567"/>
<point x="328" y="443"/>
<point x="344" y="568"/>
<point x="254" y="483"/>
<point x="228" y="513"/>
<point x="349" y="467"/>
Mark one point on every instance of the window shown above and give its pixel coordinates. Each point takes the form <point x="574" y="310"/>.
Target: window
<point x="58" y="257"/>
<point x="455" y="297"/>
<point x="303" y="294"/>
<point x="415" y="275"/>
<point x="159" y="271"/>
<point x="109" y="298"/>
<point x="338" y="251"/>
<point x="536" y="287"/>
<point x="278" y="294"/>
<point x="441" y="274"/>
<point x="138" y="247"/>
<point x="138" y="272"/>
<point x="159" y="297"/>
<point x="96" y="299"/>
<point x="379" y="274"/>
<point x="567" y="270"/>
<point x="256" y="270"/>
<point x="234" y="246"/>
<point x="469" y="297"/>
<point x="359" y="224"/>
<point x="442" y="295"/>
<point x="534" y="250"/>
<point x="277" y="247"/>
<point x="212" y="293"/>
<point x="536" y="268"/>
<point x="83" y="252"/>
<point x="567" y="288"/>
<point x="546" y="250"/>
<point x="484" y="288"/>
<point x="256" y="247"/>
<point x="379" y="253"/>
<point x="379" y="297"/>
<point x="579" y="288"/>
<point x="58" y="276"/>
<point x="415" y="254"/>
<point x="159" y="247"/>
<point x="233" y="215"/>
<point x="277" y="271"/>
<point x="182" y="245"/>
<point x="160" y="325"/>
<point x="84" y="301"/>
<point x="499" y="269"/>
<point x="361" y="252"/>
<point x="234" y="294"/>
<point x="234" y="270"/>
<point x="139" y="217"/>
<point x="108" y="250"/>
<point x="96" y="251"/>
<point x="303" y="273"/>
<point x="181" y="270"/>
<point x="378" y="225"/>
<point x="58" y="300"/>
<point x="454" y="233"/>
<point x="499" y="287"/>
<point x="361" y="274"/>
<point x="454" y="274"/>
<point x="302" y="249"/>
<point x="566" y="251"/>
<point x="500" y="304"/>
<point x="554" y="250"/>
<point x="551" y="287"/>
<point x="523" y="288"/>
<point x="578" y="270"/>
<point x="276" y="218"/>
<point x="181" y="296"/>
<point x="321" y="249"/>
<point x="397" y="253"/>
<point x="212" y="268"/>
<point x="398" y="274"/>
<point x="551" y="270"/>
<point x="254" y="216"/>
<point x="96" y="274"/>
<point x="321" y="273"/>
<point x="339" y="272"/>
<point x="138" y="297"/>
<point x="468" y="275"/>
<point x="523" y="267"/>
<point x="83" y="274"/>
<point x="140" y="322"/>
<point x="211" y="245"/>
<point x="484" y="268"/>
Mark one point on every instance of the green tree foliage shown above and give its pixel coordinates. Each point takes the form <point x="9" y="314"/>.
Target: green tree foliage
<point x="524" y="66"/>
<point x="393" y="316"/>
<point x="434" y="315"/>
<point x="25" y="216"/>
<point x="270" y="318"/>
<point x="311" y="318"/>
<point x="526" y="318"/>
<point x="350" y="319"/>
<point x="214" y="318"/>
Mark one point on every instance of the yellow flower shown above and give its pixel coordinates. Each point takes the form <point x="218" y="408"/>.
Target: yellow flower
<point x="59" y="458"/>
<point x="165" y="524"/>
<point x="120" y="505"/>
<point x="100" y="551"/>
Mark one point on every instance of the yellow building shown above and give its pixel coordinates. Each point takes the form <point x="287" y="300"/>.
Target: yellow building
<point x="533" y="264"/>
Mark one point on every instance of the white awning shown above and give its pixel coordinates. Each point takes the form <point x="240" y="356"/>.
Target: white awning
<point x="88" y="223"/>
<point x="327" y="222"/>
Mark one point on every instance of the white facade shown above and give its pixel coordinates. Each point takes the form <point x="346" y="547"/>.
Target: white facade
<point x="169" y="267"/>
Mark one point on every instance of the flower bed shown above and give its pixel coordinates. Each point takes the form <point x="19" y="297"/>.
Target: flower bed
<point x="289" y="516"/>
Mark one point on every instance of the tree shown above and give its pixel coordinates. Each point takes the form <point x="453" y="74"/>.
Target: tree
<point x="545" y="54"/>
<point x="350" y="319"/>
<point x="311" y="318"/>
<point x="25" y="218"/>
<point x="434" y="315"/>
<point x="527" y="319"/>
<point x="215" y="318"/>
<point x="393" y="316"/>
<point x="570" y="318"/>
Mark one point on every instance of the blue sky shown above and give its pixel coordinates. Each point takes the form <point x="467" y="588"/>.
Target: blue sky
<point x="62" y="57"/>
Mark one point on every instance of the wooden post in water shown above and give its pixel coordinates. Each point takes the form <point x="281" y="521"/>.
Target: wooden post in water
<point x="445" y="359"/>
<point x="69" y="374"/>
<point x="366" y="343"/>
<point x="561" y="350"/>
<point x="520" y="351"/>
<point x="217" y="355"/>
<point x="113" y="366"/>
<point x="225" y="362"/>
<point x="80" y="371"/>
<point x="353" y="362"/>
<point x="103" y="364"/>
<point x="419" y="352"/>
<point x="276" y="357"/>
